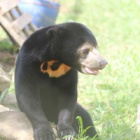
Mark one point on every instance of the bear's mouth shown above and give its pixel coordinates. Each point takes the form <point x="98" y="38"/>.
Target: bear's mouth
<point x="88" y="70"/>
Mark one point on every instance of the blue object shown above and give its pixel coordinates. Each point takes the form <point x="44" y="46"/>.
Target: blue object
<point x="44" y="12"/>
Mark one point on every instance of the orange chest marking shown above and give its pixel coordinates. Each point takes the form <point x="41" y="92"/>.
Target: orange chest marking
<point x="54" y="68"/>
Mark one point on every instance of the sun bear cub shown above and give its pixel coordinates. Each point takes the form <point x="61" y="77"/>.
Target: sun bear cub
<point x="46" y="78"/>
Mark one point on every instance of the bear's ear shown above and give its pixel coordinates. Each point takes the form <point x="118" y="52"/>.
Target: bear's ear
<point x="51" y="33"/>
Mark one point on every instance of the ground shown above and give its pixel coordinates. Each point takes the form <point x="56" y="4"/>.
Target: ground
<point x="7" y="60"/>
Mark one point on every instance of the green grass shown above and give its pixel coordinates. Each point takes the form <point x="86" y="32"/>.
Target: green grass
<point x="5" y="43"/>
<point x="113" y="96"/>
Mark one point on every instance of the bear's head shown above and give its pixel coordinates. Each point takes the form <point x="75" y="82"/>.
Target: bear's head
<point x="74" y="45"/>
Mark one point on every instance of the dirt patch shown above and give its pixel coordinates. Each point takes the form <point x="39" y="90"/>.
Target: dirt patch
<point x="7" y="60"/>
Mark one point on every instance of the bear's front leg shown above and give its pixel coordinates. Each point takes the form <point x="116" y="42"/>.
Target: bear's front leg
<point x="67" y="104"/>
<point x="29" y="103"/>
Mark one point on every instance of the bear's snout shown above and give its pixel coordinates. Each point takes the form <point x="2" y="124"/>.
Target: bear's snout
<point x="103" y="63"/>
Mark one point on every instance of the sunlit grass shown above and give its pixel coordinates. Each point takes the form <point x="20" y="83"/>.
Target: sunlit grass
<point x="113" y="96"/>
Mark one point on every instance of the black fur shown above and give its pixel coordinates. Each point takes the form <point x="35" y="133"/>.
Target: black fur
<point x="47" y="99"/>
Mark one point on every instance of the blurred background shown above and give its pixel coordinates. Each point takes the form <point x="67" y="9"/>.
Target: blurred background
<point x="112" y="97"/>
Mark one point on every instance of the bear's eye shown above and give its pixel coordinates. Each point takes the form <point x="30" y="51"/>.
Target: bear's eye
<point x="85" y="51"/>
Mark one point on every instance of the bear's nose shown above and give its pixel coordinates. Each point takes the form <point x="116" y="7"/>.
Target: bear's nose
<point x="103" y="63"/>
